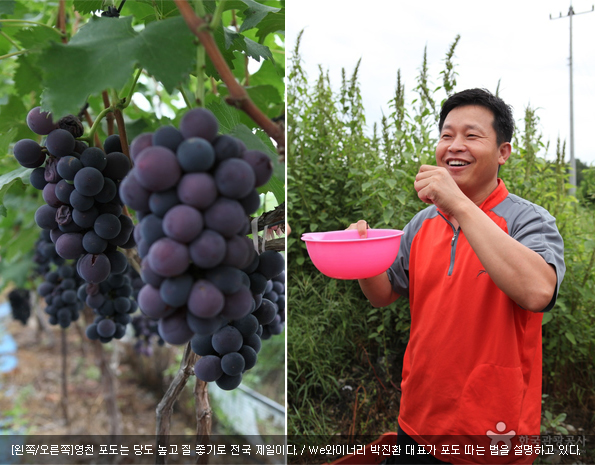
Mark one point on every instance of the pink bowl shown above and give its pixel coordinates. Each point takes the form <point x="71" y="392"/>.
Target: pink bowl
<point x="344" y="255"/>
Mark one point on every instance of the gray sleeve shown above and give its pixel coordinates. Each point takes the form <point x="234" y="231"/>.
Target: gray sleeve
<point x="536" y="229"/>
<point x="398" y="273"/>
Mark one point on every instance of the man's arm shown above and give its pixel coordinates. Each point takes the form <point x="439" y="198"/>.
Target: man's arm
<point x="377" y="289"/>
<point x="521" y="273"/>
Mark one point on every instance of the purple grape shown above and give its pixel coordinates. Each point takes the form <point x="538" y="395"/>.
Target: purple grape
<point x="157" y="169"/>
<point x="205" y="300"/>
<point x="229" y="383"/>
<point x="261" y="164"/>
<point x="239" y="253"/>
<point x="238" y="305"/>
<point x="161" y="202"/>
<point x="234" y="178"/>
<point x="183" y="223"/>
<point x="139" y="143"/>
<point x="40" y="122"/>
<point x="199" y="122"/>
<point x="175" y="291"/>
<point x="208" y="368"/>
<point x="89" y="181"/>
<point x="233" y="364"/>
<point x="198" y="190"/>
<point x="118" y="166"/>
<point x="112" y="144"/>
<point x="70" y="245"/>
<point x="195" y="155"/>
<point x="225" y="216"/>
<point x="250" y="356"/>
<point x="133" y="194"/>
<point x="208" y="250"/>
<point x="45" y="217"/>
<point x="106" y="328"/>
<point x="107" y="226"/>
<point x="28" y="153"/>
<point x="174" y="329"/>
<point x="49" y="196"/>
<point x="167" y="136"/>
<point x="168" y="257"/>
<point x="94" y="157"/>
<point x="227" y="339"/>
<point x="151" y="304"/>
<point x="37" y="178"/>
<point x="68" y="167"/>
<point x="226" y="147"/>
<point x="60" y="143"/>
<point x="94" y="268"/>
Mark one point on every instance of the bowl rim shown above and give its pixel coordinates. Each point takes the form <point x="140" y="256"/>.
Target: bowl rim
<point x="313" y="236"/>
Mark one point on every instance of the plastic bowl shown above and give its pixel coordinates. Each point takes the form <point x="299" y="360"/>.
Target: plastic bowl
<point x="344" y="255"/>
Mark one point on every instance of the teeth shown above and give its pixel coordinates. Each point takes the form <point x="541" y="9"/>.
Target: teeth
<point x="457" y="163"/>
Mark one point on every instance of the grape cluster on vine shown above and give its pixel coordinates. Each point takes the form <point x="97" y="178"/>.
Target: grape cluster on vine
<point x="79" y="184"/>
<point x="193" y="191"/>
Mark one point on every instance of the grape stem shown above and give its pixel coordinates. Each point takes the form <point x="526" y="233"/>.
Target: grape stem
<point x="238" y="97"/>
<point x="14" y="54"/>
<point x="30" y="22"/>
<point x="166" y="405"/>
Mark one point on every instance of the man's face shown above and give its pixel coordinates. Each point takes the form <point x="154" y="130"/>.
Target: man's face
<point x="467" y="148"/>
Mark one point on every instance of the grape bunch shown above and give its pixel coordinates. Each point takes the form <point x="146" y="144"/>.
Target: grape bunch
<point x="146" y="333"/>
<point x="113" y="303"/>
<point x="20" y="304"/>
<point x="275" y="292"/>
<point x="79" y="184"/>
<point x="193" y="191"/>
<point x="234" y="347"/>
<point x="60" y="295"/>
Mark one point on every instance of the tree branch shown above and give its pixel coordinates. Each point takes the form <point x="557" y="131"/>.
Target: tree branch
<point x="238" y="97"/>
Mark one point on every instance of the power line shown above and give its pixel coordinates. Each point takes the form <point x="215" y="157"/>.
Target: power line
<point x="570" y="14"/>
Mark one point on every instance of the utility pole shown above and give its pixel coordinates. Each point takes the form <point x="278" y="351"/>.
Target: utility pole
<point x="570" y="14"/>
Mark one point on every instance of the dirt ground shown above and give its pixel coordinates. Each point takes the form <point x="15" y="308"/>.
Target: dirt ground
<point x="31" y="394"/>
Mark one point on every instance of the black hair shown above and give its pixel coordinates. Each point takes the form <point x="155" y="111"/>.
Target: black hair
<point x="503" y="120"/>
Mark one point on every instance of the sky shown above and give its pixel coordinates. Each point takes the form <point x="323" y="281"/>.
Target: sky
<point x="513" y="42"/>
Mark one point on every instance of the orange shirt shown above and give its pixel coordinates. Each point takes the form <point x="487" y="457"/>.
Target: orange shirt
<point x="473" y="362"/>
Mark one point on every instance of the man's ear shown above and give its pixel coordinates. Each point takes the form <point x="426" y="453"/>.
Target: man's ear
<point x="504" y="152"/>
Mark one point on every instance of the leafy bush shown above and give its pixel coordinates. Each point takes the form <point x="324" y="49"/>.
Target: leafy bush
<point x="338" y="174"/>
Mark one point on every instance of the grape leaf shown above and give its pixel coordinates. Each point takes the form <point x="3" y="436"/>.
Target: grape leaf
<point x="273" y="22"/>
<point x="27" y="77"/>
<point x="103" y="54"/>
<point x="255" y="13"/>
<point x="7" y="7"/>
<point x="167" y="51"/>
<point x="88" y="6"/>
<point x="246" y="45"/>
<point x="6" y="182"/>
<point x="96" y="58"/>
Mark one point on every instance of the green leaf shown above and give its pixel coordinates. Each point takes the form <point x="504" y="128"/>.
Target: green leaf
<point x="255" y="13"/>
<point x="6" y="182"/>
<point x="88" y="6"/>
<point x="246" y="45"/>
<point x="103" y="54"/>
<point x="100" y="56"/>
<point x="271" y="24"/>
<point x="167" y="51"/>
<point x="570" y="337"/>
<point x="27" y="77"/>
<point x="547" y="317"/>
<point x="7" y="7"/>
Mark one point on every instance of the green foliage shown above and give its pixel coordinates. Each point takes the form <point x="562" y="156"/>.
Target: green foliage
<point x="147" y="62"/>
<point x="338" y="174"/>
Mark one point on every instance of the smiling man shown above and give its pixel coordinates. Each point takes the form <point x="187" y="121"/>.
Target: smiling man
<point x="479" y="266"/>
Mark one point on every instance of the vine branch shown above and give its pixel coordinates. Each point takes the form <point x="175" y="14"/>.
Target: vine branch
<point x="238" y="97"/>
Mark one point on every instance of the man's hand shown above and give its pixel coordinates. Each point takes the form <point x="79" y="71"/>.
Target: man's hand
<point x="362" y="228"/>
<point x="434" y="185"/>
